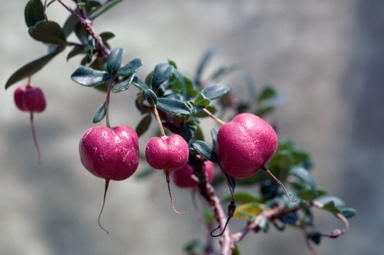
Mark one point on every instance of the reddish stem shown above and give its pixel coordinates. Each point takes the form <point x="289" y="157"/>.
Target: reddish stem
<point x="166" y="172"/>
<point x="102" y="207"/>
<point x="35" y="139"/>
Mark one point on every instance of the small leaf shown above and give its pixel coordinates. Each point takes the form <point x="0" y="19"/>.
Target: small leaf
<point x="181" y="80"/>
<point x="203" y="63"/>
<point x="304" y="175"/>
<point x="100" y="113"/>
<point x="139" y="83"/>
<point x="33" y="12"/>
<point x="236" y="251"/>
<point x="267" y="93"/>
<point x="48" y="32"/>
<point x="173" y="106"/>
<point x="324" y="200"/>
<point x="243" y="197"/>
<point x="104" y="8"/>
<point x="132" y="67"/>
<point x="31" y="68"/>
<point x="69" y="25"/>
<point x="122" y="85"/>
<point x="248" y="211"/>
<point x="81" y="34"/>
<point x="161" y="73"/>
<point x="201" y="100"/>
<point x="215" y="91"/>
<point x="262" y="111"/>
<point x="291" y="218"/>
<point x="114" y="61"/>
<point x="188" y="131"/>
<point x="204" y="150"/>
<point x="348" y="212"/>
<point x="150" y="96"/>
<point x="314" y="236"/>
<point x="331" y="207"/>
<point x="143" y="125"/>
<point x="89" y="77"/>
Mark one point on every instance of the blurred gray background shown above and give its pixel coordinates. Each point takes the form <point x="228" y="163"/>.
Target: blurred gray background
<point x="325" y="57"/>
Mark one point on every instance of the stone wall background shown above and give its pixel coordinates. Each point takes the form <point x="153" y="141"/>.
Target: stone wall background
<point x="325" y="57"/>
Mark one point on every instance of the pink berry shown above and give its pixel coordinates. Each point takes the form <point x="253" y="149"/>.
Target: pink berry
<point x="167" y="152"/>
<point x="30" y="98"/>
<point x="110" y="153"/>
<point x="245" y="144"/>
<point x="183" y="176"/>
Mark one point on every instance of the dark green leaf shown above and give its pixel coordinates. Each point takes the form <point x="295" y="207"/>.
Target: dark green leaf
<point x="201" y="100"/>
<point x="31" y="68"/>
<point x="33" y="12"/>
<point x="243" y="197"/>
<point x="236" y="251"/>
<point x="181" y="80"/>
<point x="81" y="34"/>
<point x="89" y="77"/>
<point x="105" y="37"/>
<point x="348" y="212"/>
<point x="199" y="113"/>
<point x="289" y="218"/>
<point x="100" y="113"/>
<point x="314" y="236"/>
<point x="173" y="106"/>
<point x="330" y="201"/>
<point x="122" y="85"/>
<point x="75" y="51"/>
<point x="161" y="73"/>
<point x="203" y="63"/>
<point x="267" y="93"/>
<point x="139" y="83"/>
<point x="307" y="194"/>
<point x="188" y="131"/>
<point x="48" y="32"/>
<point x="262" y="111"/>
<point x="114" y="61"/>
<point x="304" y="175"/>
<point x="172" y="63"/>
<point x="215" y="91"/>
<point x="131" y="68"/>
<point x="331" y="207"/>
<point x="98" y="64"/>
<point x="104" y="8"/>
<point x="204" y="150"/>
<point x="69" y="25"/>
<point x="143" y="125"/>
<point x="150" y="96"/>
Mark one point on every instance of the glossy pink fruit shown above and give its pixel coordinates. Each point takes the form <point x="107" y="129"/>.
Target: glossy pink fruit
<point x="167" y="152"/>
<point x="245" y="144"/>
<point x="30" y="99"/>
<point x="183" y="177"/>
<point x="110" y="153"/>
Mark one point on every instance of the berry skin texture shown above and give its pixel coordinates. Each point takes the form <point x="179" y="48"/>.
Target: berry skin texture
<point x="110" y="153"/>
<point x="245" y="144"/>
<point x="30" y="98"/>
<point x="167" y="152"/>
<point x="183" y="176"/>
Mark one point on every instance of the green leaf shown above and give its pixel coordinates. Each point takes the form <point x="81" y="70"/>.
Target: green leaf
<point x="188" y="131"/>
<point x="132" y="67"/>
<point x="203" y="63"/>
<point x="100" y="113"/>
<point x="204" y="150"/>
<point x="33" y="12"/>
<point x="348" y="212"/>
<point x="304" y="175"/>
<point x="75" y="51"/>
<point x="315" y="236"/>
<point x="262" y="111"/>
<point x="89" y="77"/>
<point x="267" y="93"/>
<point x="48" y="32"/>
<point x="243" y="197"/>
<point x="139" y="83"/>
<point x="31" y="68"/>
<point x="214" y="91"/>
<point x="104" y="8"/>
<point x="307" y="194"/>
<point x="248" y="211"/>
<point x="180" y="80"/>
<point x="122" y="85"/>
<point x="201" y="100"/>
<point x="161" y="73"/>
<point x="143" y="125"/>
<point x="69" y="25"/>
<point x="173" y="106"/>
<point x="291" y="218"/>
<point x="150" y="96"/>
<point x="114" y="60"/>
<point x="199" y="111"/>
<point x="236" y="251"/>
<point x="337" y="202"/>
<point x="81" y="34"/>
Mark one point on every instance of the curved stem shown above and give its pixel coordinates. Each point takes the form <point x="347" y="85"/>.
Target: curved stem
<point x="102" y="207"/>
<point x="35" y="139"/>
<point x="162" y="132"/>
<point x="166" y="172"/>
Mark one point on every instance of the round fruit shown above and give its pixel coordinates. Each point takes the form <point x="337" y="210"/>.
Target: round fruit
<point x="183" y="176"/>
<point x="30" y="98"/>
<point x="245" y="144"/>
<point x="110" y="153"/>
<point x="167" y="152"/>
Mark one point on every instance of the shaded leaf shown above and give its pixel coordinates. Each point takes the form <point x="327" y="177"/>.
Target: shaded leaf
<point x="143" y="125"/>
<point x="223" y="70"/>
<point x="180" y="80"/>
<point x="291" y="218"/>
<point x="139" y="83"/>
<point x="81" y="34"/>
<point x="337" y="202"/>
<point x="201" y="100"/>
<point x="89" y="77"/>
<point x="31" y="68"/>
<point x="304" y="175"/>
<point x="161" y="73"/>
<point x="262" y="111"/>
<point x="203" y="63"/>
<point x="69" y="25"/>
<point x="204" y="150"/>
<point x="173" y="106"/>
<point x="48" y="32"/>
<point x="243" y="197"/>
<point x="214" y="91"/>
<point x="268" y="92"/>
<point x="114" y="60"/>
<point x="100" y="113"/>
<point x="188" y="131"/>
<point x="122" y="85"/>
<point x="75" y="51"/>
<point x="151" y="97"/>
<point x="104" y="8"/>
<point x="132" y="67"/>
<point x="348" y="212"/>
<point x="199" y="113"/>
<point x="314" y="236"/>
<point x="307" y="194"/>
<point x="34" y="12"/>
